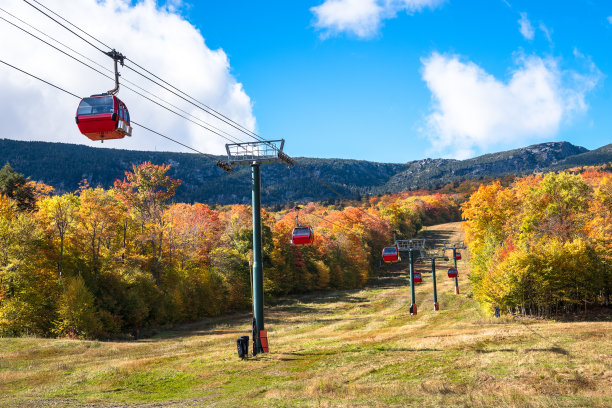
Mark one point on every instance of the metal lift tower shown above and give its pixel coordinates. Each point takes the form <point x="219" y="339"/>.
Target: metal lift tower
<point x="410" y="246"/>
<point x="255" y="154"/>
<point x="455" y="246"/>
<point x="433" y="255"/>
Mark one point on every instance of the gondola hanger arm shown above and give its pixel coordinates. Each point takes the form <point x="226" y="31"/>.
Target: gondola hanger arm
<point x="120" y="58"/>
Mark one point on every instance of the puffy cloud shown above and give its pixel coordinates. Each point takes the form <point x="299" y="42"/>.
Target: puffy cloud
<point x="610" y="19"/>
<point x="473" y="111"/>
<point x="362" y="17"/>
<point x="155" y="37"/>
<point x="525" y="27"/>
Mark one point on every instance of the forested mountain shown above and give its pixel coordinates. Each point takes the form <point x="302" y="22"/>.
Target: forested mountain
<point x="65" y="165"/>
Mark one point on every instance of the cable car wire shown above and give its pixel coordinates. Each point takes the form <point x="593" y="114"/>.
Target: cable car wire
<point x="329" y="187"/>
<point x="235" y="125"/>
<point x="112" y="72"/>
<point x="323" y="183"/>
<point x="40" y="79"/>
<point x="87" y="41"/>
<point x="56" y="48"/>
<point x="208" y="109"/>
<point x="209" y="156"/>
<point x="197" y="103"/>
<point x="333" y="223"/>
<point x="213" y="158"/>
<point x="266" y="189"/>
<point x="230" y="138"/>
<point x="203" y="106"/>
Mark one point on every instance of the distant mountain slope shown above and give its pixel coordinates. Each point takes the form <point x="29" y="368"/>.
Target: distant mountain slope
<point x="597" y="156"/>
<point x="64" y="165"/>
<point x="430" y="173"/>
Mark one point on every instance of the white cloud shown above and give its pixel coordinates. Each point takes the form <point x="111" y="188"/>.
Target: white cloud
<point x="474" y="112"/>
<point x="525" y="27"/>
<point x="155" y="37"/>
<point x="546" y="31"/>
<point x="362" y="17"/>
<point x="610" y="19"/>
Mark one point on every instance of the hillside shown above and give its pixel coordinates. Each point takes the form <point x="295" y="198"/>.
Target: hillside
<point x="601" y="155"/>
<point x="431" y="173"/>
<point x="64" y="165"/>
<point x="357" y="348"/>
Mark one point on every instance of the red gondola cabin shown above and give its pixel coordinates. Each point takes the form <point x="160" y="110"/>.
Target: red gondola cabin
<point x="452" y="273"/>
<point x="103" y="117"/>
<point x="390" y="254"/>
<point x="302" y="236"/>
<point x="458" y="256"/>
<point x="417" y="277"/>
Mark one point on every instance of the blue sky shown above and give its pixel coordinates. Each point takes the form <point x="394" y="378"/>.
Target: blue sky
<point x="333" y="93"/>
<point x="381" y="80"/>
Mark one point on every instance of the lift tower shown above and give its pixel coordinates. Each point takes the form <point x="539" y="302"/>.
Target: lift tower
<point x="433" y="255"/>
<point x="410" y="246"/>
<point x="255" y="154"/>
<point x="455" y="246"/>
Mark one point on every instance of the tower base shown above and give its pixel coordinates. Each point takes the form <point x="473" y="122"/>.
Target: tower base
<point x="413" y="309"/>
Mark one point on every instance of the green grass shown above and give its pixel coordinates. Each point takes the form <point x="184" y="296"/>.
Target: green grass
<point x="349" y="349"/>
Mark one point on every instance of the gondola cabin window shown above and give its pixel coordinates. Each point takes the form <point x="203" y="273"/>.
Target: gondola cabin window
<point x="96" y="106"/>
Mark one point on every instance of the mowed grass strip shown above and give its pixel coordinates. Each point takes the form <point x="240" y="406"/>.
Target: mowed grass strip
<point x="357" y="348"/>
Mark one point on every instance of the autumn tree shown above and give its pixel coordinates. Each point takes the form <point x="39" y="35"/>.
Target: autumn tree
<point x="539" y="246"/>
<point x="16" y="186"/>
<point x="97" y="219"/>
<point x="127" y="258"/>
<point x="147" y="191"/>
<point x="57" y="213"/>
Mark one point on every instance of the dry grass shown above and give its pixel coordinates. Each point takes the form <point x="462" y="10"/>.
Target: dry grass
<point x="340" y="349"/>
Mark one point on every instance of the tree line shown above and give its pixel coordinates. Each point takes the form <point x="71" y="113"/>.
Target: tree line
<point x="104" y="263"/>
<point x="542" y="245"/>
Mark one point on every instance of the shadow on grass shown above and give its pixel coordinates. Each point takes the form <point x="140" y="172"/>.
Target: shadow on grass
<point x="305" y="305"/>
<point x="300" y="355"/>
<point x="227" y="324"/>
<point x="389" y="280"/>
<point x="436" y="236"/>
<point x="556" y="350"/>
<point x="308" y="319"/>
<point x="597" y="314"/>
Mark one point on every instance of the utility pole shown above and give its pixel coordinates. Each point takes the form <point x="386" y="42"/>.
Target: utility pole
<point x="255" y="154"/>
<point x="455" y="246"/>
<point x="410" y="246"/>
<point x="433" y="258"/>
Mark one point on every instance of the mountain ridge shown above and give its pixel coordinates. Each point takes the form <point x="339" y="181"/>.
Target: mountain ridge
<point x="64" y="166"/>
